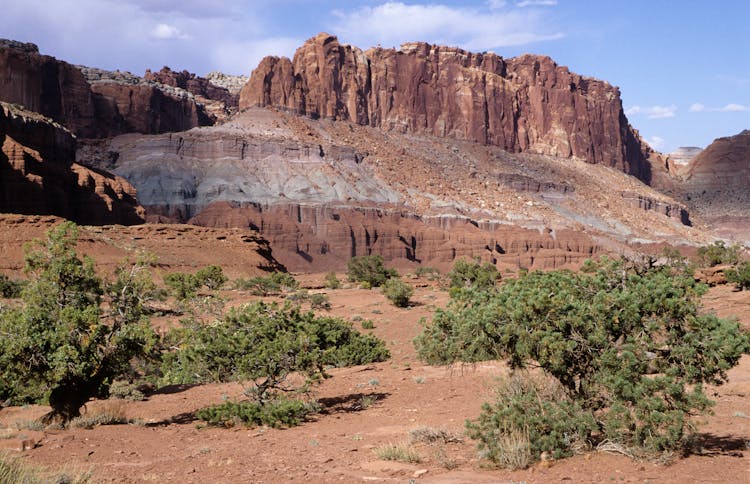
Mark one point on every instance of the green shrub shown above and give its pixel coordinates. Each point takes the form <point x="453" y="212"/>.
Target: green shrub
<point x="718" y="253"/>
<point x="331" y="281"/>
<point x="181" y="285"/>
<point x="265" y="344"/>
<point x="75" y="332"/>
<point x="368" y="324"/>
<point x="398" y="292"/>
<point x="124" y="390"/>
<point x="211" y="276"/>
<point x="10" y="288"/>
<point x="467" y="274"/>
<point x="628" y="346"/>
<point x="369" y="269"/>
<point x="320" y="301"/>
<point x="276" y="283"/>
<point x="276" y="413"/>
<point x="530" y="415"/>
<point x="740" y="275"/>
<point x="428" y="272"/>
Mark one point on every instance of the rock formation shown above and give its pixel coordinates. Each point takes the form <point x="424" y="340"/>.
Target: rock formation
<point x="523" y="104"/>
<point x="715" y="185"/>
<point x="196" y="85"/>
<point x="97" y="107"/>
<point x="38" y="175"/>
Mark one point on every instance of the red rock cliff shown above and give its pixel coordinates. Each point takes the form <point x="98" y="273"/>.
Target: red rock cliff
<point x="38" y="176"/>
<point x="60" y="91"/>
<point x="527" y="103"/>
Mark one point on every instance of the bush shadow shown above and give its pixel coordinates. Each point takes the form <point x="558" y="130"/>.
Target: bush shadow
<point x="354" y="402"/>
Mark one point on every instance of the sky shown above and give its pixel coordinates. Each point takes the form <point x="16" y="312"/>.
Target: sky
<point x="682" y="66"/>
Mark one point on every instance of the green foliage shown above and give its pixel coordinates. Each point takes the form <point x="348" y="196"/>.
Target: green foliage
<point x="629" y="346"/>
<point x="740" y="275"/>
<point x="265" y="344"/>
<point x="368" y="324"/>
<point x="211" y="276"/>
<point x="331" y="281"/>
<point x="181" y="285"/>
<point x="718" y="253"/>
<point x="275" y="283"/>
<point x="369" y="269"/>
<point x="472" y="274"/>
<point x="275" y="413"/>
<point x="10" y="288"/>
<point x="428" y="272"/>
<point x="67" y="346"/>
<point x="124" y="390"/>
<point x="319" y="301"/>
<point x="537" y="408"/>
<point x="398" y="292"/>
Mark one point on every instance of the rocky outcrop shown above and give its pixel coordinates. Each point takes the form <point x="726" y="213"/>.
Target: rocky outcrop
<point x="196" y="85"/>
<point x="324" y="237"/>
<point x="523" y="104"/>
<point x="669" y="209"/>
<point x="38" y="175"/>
<point x="92" y="104"/>
<point x="231" y="83"/>
<point x="682" y="155"/>
<point x="43" y="84"/>
<point x="715" y="185"/>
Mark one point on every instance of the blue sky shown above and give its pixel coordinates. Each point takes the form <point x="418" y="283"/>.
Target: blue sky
<point x="683" y="66"/>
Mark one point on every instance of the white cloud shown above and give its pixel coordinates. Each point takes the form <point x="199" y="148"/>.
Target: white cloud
<point x="495" y="4"/>
<point x="734" y="108"/>
<point x="536" y="3"/>
<point x="166" y="32"/>
<point x="243" y="57"/>
<point x="653" y="112"/>
<point x="656" y="142"/>
<point x="729" y="108"/>
<point x="393" y="23"/>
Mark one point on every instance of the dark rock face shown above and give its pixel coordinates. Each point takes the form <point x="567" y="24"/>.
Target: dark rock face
<point x="527" y="103"/>
<point x="38" y="176"/>
<point x="60" y="91"/>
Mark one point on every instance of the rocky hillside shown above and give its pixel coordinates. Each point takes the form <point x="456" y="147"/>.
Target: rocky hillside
<point x="322" y="191"/>
<point x="38" y="175"/>
<point x="93" y="103"/>
<point x="715" y="185"/>
<point x="524" y="104"/>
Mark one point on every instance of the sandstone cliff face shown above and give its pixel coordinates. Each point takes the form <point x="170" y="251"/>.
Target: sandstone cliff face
<point x="196" y="85"/>
<point x="524" y="104"/>
<point x="715" y="185"/>
<point x="104" y="108"/>
<point x="325" y="237"/>
<point x="38" y="175"/>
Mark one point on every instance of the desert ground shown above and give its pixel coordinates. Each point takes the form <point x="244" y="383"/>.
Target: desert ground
<point x="366" y="407"/>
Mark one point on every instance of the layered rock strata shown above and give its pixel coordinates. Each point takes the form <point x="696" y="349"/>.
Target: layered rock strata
<point x="523" y="104"/>
<point x="92" y="103"/>
<point x="39" y="176"/>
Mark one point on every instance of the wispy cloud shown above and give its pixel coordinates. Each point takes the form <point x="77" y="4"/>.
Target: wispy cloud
<point x="536" y="3"/>
<point x="728" y="108"/>
<point x="166" y="32"/>
<point x="393" y="23"/>
<point x="656" y="142"/>
<point x="653" y="112"/>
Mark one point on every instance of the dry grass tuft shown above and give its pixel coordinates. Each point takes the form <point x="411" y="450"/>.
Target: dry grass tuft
<point x="110" y="413"/>
<point x="431" y="435"/>
<point x="398" y="452"/>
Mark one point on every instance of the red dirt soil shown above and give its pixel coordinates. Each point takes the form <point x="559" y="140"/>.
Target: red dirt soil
<point x="167" y="444"/>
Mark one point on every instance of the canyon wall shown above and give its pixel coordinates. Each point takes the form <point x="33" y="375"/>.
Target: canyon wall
<point x="526" y="103"/>
<point x="38" y="175"/>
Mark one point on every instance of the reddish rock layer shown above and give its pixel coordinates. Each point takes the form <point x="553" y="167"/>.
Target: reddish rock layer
<point x="527" y="103"/>
<point x="59" y="91"/>
<point x="324" y="237"/>
<point x="196" y="85"/>
<point x="38" y="176"/>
